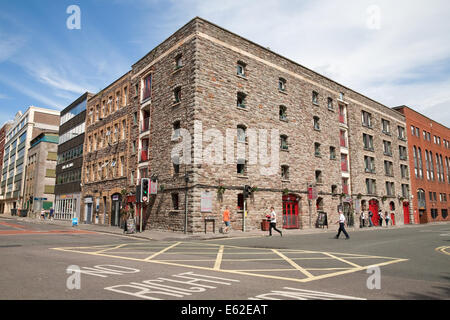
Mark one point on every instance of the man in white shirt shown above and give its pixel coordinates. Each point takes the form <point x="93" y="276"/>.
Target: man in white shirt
<point x="342" y="225"/>
<point x="273" y="222"/>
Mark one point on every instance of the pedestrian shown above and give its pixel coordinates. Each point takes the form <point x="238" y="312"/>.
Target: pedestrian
<point x="363" y="219"/>
<point x="386" y="218"/>
<point x="380" y="217"/>
<point x="51" y="213"/>
<point x="43" y="214"/>
<point x="342" y="223"/>
<point x="125" y="218"/>
<point x="370" y="218"/>
<point x="273" y="222"/>
<point x="226" y="219"/>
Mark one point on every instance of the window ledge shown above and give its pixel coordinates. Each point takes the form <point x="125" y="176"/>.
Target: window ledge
<point x="177" y="69"/>
<point x="240" y="76"/>
<point x="284" y="150"/>
<point x="176" y="104"/>
<point x="315" y="103"/>
<point x="242" y="176"/>
<point x="331" y="109"/>
<point x="315" y="129"/>
<point x="285" y="180"/>
<point x="282" y="91"/>
<point x="242" y="108"/>
<point x="284" y="120"/>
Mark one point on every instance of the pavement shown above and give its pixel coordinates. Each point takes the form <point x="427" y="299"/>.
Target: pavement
<point x="161" y="235"/>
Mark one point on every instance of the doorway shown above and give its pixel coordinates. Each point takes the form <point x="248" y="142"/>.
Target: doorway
<point x="406" y="213"/>
<point x="115" y="210"/>
<point x="290" y="212"/>
<point x="373" y="207"/>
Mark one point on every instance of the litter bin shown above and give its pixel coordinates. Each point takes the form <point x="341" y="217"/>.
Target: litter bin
<point x="265" y="225"/>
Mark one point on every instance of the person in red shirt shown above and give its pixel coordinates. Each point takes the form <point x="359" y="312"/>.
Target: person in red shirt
<point x="226" y="219"/>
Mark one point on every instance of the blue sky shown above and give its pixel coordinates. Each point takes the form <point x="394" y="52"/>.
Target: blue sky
<point x="398" y="54"/>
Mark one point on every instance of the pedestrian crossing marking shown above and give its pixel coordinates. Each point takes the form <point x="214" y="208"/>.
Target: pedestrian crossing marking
<point x="281" y="264"/>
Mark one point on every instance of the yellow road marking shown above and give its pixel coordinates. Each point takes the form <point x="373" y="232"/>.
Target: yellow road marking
<point x="218" y="259"/>
<point x="162" y="251"/>
<point x="310" y="277"/>
<point x="443" y="250"/>
<point x="343" y="260"/>
<point x="116" y="247"/>
<point x="292" y="263"/>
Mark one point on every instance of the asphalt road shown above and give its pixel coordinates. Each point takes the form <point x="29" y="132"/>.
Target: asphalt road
<point x="52" y="262"/>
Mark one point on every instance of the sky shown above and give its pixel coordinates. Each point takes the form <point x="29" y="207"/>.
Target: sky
<point x="395" y="52"/>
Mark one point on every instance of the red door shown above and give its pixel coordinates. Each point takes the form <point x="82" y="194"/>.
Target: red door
<point x="406" y="212"/>
<point x="373" y="206"/>
<point x="290" y="212"/>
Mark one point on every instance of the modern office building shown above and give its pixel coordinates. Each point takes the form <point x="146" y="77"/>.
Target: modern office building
<point x="39" y="187"/>
<point x="429" y="163"/>
<point x="3" y="132"/>
<point x="70" y="159"/>
<point x="25" y="128"/>
<point x="210" y="101"/>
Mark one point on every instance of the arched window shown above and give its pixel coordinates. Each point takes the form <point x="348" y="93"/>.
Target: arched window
<point x="283" y="115"/>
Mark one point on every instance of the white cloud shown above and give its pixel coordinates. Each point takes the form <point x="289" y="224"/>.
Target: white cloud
<point x="394" y="65"/>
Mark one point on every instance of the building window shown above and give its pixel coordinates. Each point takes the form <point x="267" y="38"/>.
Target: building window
<point x="285" y="172"/>
<point x="176" y="164"/>
<point x="388" y="168"/>
<point x="387" y="148"/>
<point x="176" y="130"/>
<point x="343" y="138"/>
<point x="368" y="142"/>
<point x="281" y="84"/>
<point x="317" y="149"/>
<point x="319" y="204"/>
<point x="241" y="167"/>
<point x="175" y="201"/>
<point x="371" y="186"/>
<point x="135" y="118"/>
<point x="332" y="153"/>
<point x="342" y="114"/>
<point x="334" y="190"/>
<point x="345" y="188"/>
<point x="403" y="153"/>
<point x="344" y="163"/>
<point x="177" y="94"/>
<point x="241" y="133"/>
<point x="369" y="163"/>
<point x="390" y="190"/>
<point x="283" y="142"/>
<point x="404" y="171"/>
<point x="417" y="132"/>
<point x="386" y="126"/>
<point x="316" y="123"/>
<point x="401" y="133"/>
<point x="315" y="97"/>
<point x="419" y="153"/>
<point x="318" y="177"/>
<point x="241" y="100"/>
<point x="178" y="61"/>
<point x="283" y="115"/>
<point x="147" y="90"/>
<point x="405" y="191"/>
<point x="241" y="69"/>
<point x="366" y="119"/>
<point x="330" y="104"/>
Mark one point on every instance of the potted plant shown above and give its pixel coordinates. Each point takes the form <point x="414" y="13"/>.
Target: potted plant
<point x="286" y="192"/>
<point x="383" y="199"/>
<point x="359" y="196"/>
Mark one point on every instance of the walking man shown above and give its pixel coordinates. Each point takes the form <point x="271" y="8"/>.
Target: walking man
<point x="370" y="218"/>
<point x="226" y="219"/>
<point x="273" y="222"/>
<point x="386" y="218"/>
<point x="342" y="225"/>
<point x="380" y="217"/>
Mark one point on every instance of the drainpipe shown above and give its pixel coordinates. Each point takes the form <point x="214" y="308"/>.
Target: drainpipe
<point x="186" y="179"/>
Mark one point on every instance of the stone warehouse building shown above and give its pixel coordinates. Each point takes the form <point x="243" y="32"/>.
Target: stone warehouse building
<point x="108" y="157"/>
<point x="213" y="90"/>
<point x="429" y="162"/>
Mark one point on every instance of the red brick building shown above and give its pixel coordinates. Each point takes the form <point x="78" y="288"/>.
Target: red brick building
<point x="429" y="150"/>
